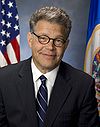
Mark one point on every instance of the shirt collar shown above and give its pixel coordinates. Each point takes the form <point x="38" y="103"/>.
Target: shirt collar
<point x="51" y="76"/>
<point x="36" y="73"/>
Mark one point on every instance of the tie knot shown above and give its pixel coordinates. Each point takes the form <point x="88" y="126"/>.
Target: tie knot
<point x="43" y="78"/>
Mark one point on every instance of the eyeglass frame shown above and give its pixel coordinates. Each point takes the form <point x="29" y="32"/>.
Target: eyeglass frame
<point x="38" y="36"/>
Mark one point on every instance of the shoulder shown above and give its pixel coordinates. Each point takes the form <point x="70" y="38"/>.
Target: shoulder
<point x="75" y="74"/>
<point x="12" y="69"/>
<point x="80" y="81"/>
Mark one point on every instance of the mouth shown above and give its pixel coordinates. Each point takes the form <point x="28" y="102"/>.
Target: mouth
<point x="48" y="55"/>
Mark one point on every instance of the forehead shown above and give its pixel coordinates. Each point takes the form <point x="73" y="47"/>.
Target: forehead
<point x="47" y="26"/>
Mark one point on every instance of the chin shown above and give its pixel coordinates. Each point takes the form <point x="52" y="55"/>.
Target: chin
<point x="49" y="67"/>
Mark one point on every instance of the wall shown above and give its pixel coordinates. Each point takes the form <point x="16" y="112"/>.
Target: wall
<point x="78" y="11"/>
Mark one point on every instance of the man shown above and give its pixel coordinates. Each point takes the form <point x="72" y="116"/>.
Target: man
<point x="65" y="97"/>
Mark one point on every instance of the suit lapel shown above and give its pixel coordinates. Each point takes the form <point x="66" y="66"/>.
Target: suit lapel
<point x="60" y="92"/>
<point x="26" y="91"/>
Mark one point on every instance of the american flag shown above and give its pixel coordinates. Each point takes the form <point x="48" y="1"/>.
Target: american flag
<point x="9" y="33"/>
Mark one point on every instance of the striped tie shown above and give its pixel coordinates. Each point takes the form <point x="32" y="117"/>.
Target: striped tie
<point x="42" y="97"/>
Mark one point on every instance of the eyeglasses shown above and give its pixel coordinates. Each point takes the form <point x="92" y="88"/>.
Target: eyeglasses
<point x="44" y="39"/>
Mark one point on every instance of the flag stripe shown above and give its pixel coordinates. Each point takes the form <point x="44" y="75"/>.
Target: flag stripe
<point x="11" y="53"/>
<point x="18" y="39"/>
<point x="16" y="48"/>
<point x="3" y="61"/>
<point x="7" y="58"/>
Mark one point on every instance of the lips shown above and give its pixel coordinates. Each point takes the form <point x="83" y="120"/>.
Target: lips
<point x="48" y="55"/>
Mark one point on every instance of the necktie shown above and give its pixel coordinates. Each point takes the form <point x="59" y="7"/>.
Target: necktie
<point x="42" y="97"/>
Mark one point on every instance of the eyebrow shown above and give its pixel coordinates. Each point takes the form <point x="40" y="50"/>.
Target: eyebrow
<point x="44" y="34"/>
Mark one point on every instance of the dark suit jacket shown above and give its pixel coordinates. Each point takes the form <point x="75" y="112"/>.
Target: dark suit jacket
<point x="72" y="102"/>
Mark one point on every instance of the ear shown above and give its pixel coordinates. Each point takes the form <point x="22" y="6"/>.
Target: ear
<point x="29" y="39"/>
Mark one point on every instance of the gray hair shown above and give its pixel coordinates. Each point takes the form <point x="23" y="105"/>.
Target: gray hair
<point x="52" y="15"/>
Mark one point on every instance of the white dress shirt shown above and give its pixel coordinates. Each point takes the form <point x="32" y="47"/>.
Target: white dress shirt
<point x="51" y="76"/>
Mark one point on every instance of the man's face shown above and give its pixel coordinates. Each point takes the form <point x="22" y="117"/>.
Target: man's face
<point x="46" y="57"/>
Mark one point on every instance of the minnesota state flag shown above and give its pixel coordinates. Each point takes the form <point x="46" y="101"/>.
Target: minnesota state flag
<point x="92" y="56"/>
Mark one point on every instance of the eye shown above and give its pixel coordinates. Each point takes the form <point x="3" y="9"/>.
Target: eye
<point x="43" y="38"/>
<point x="59" y="41"/>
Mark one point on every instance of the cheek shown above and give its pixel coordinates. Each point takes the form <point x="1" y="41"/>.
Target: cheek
<point x="60" y="52"/>
<point x="33" y="45"/>
<point x="36" y="48"/>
